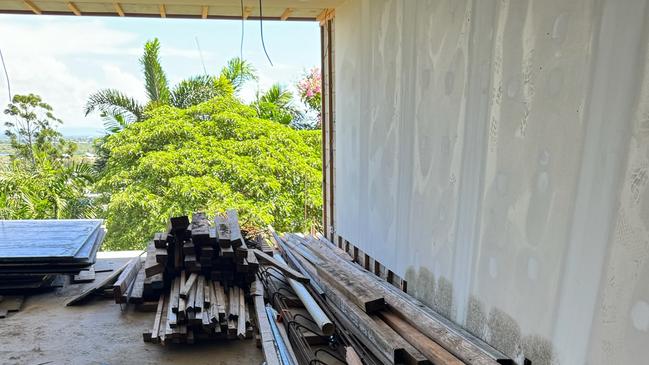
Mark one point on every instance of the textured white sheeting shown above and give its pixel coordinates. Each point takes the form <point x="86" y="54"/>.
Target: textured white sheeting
<point x="496" y="155"/>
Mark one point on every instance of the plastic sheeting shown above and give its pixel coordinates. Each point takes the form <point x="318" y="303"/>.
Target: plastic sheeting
<point x="496" y="155"/>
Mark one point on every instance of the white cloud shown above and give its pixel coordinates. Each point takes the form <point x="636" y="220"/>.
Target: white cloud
<point x="50" y="58"/>
<point x="65" y="59"/>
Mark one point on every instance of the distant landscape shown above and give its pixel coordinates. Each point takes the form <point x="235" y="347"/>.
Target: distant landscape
<point x="84" y="147"/>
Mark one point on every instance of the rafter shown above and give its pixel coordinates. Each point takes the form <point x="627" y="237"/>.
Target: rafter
<point x="33" y="7"/>
<point x="118" y="9"/>
<point x="205" y="12"/>
<point x="163" y="11"/>
<point x="325" y="15"/>
<point x="73" y="8"/>
<point x="287" y="12"/>
<point x="246" y="12"/>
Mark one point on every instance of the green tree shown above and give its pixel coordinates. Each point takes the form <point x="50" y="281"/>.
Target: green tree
<point x="41" y="179"/>
<point x="118" y="109"/>
<point x="30" y="129"/>
<point x="49" y="189"/>
<point x="210" y="157"/>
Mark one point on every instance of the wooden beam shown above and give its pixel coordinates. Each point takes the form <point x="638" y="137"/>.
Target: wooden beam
<point x="163" y="11"/>
<point x="325" y="15"/>
<point x="118" y="9"/>
<point x="106" y="281"/>
<point x="33" y="7"/>
<point x="246" y="12"/>
<point x="287" y="12"/>
<point x="126" y="278"/>
<point x="429" y="348"/>
<point x="289" y="272"/>
<point x="206" y="10"/>
<point x="356" y="292"/>
<point x="73" y="8"/>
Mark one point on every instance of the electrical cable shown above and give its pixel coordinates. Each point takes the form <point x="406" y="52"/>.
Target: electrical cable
<point x="242" y="31"/>
<point x="4" y="66"/>
<point x="261" y="28"/>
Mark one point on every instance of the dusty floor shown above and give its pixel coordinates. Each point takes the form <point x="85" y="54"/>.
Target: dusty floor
<point x="98" y="332"/>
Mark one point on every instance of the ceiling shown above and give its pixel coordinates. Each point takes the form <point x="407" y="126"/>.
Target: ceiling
<point x="205" y="9"/>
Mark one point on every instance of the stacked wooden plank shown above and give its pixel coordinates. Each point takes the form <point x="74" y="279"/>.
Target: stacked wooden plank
<point x="200" y="273"/>
<point x="395" y="327"/>
<point x="33" y="252"/>
<point x="198" y="308"/>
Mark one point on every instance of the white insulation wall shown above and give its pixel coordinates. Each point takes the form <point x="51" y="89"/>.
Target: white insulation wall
<point x="495" y="154"/>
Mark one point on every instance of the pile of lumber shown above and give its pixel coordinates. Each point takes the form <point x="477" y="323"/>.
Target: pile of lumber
<point x="393" y="326"/>
<point x="34" y="252"/>
<point x="198" y="308"/>
<point x="200" y="274"/>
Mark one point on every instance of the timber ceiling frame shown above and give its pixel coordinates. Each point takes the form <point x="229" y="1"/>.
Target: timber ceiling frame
<point x="198" y="9"/>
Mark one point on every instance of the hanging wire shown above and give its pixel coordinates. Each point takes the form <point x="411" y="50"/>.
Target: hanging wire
<point x="261" y="28"/>
<point x="242" y="31"/>
<point x="200" y="53"/>
<point x="4" y="66"/>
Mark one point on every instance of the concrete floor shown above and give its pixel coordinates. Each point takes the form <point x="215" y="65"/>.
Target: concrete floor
<point x="99" y="332"/>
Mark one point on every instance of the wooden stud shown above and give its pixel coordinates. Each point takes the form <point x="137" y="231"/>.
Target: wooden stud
<point x="163" y="11"/>
<point x="241" y="320"/>
<point x="118" y="9"/>
<point x="287" y="12"/>
<point x="429" y="348"/>
<point x="158" y="318"/>
<point x="286" y="270"/>
<point x="184" y="291"/>
<point x="246" y="12"/>
<point x="33" y="7"/>
<point x="73" y="8"/>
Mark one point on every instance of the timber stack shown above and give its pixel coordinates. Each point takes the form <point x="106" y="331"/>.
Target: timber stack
<point x="385" y="324"/>
<point x="199" y="275"/>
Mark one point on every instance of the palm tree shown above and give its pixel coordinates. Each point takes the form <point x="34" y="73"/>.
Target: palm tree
<point x="239" y="71"/>
<point x="115" y="104"/>
<point x="277" y="105"/>
<point x="119" y="110"/>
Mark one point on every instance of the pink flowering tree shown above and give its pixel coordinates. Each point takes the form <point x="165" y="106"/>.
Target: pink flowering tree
<point x="310" y="91"/>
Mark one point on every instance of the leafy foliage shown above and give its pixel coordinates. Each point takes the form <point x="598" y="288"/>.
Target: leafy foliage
<point x="276" y="104"/>
<point x="198" y="89"/>
<point x="211" y="157"/>
<point x="41" y="179"/>
<point x="31" y="129"/>
<point x="113" y="104"/>
<point x="239" y="71"/>
<point x="155" y="78"/>
<point x="46" y="190"/>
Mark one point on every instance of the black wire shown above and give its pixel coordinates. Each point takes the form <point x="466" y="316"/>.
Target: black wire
<point x="261" y="27"/>
<point x="6" y="75"/>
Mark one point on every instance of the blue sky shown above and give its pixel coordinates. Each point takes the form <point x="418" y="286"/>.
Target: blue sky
<point x="64" y="59"/>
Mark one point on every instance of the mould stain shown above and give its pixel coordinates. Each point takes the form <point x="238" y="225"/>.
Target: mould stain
<point x="443" y="300"/>
<point x="504" y="333"/>
<point x="538" y="350"/>
<point x="476" y="318"/>
<point x="497" y="328"/>
<point x="421" y="284"/>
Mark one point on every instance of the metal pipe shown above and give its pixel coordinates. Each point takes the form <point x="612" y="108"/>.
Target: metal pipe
<point x="319" y="317"/>
<point x="282" y="348"/>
